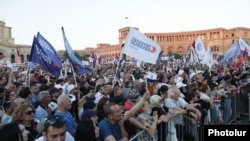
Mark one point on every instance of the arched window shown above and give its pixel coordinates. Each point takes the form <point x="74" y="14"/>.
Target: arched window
<point x="28" y="57"/>
<point x="12" y="59"/>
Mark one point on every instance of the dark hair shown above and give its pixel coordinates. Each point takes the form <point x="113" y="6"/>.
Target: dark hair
<point x="162" y="89"/>
<point x="25" y="92"/>
<point x="11" y="132"/>
<point x="107" y="109"/>
<point x="6" y="105"/>
<point x="85" y="131"/>
<point x="58" y="123"/>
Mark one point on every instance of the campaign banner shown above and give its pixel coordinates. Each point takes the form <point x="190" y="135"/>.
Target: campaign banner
<point x="141" y="47"/>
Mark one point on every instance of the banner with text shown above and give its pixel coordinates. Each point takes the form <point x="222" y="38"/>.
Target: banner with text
<point x="141" y="47"/>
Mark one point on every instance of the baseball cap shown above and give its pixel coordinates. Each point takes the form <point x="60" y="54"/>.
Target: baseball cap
<point x="87" y="114"/>
<point x="53" y="90"/>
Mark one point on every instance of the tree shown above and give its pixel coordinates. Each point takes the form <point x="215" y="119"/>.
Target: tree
<point x="65" y="56"/>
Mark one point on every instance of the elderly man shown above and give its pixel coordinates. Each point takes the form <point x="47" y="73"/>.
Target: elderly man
<point x="174" y="101"/>
<point x="64" y="104"/>
<point x="43" y="110"/>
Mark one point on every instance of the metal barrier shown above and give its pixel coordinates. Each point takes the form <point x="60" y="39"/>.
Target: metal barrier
<point x="137" y="135"/>
<point x="240" y="105"/>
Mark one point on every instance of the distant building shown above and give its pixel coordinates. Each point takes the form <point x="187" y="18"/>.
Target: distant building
<point x="219" y="39"/>
<point x="8" y="47"/>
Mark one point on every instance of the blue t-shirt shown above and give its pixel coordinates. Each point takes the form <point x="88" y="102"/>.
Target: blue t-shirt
<point x="70" y="121"/>
<point x="106" y="129"/>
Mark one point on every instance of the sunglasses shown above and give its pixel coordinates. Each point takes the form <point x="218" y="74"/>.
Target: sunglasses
<point x="53" y="120"/>
<point x="30" y="112"/>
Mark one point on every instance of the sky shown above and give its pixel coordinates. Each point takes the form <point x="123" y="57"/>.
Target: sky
<point x="89" y="22"/>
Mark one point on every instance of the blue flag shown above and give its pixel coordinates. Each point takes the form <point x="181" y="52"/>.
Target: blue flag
<point x="79" y="68"/>
<point x="47" y="62"/>
<point x="49" y="49"/>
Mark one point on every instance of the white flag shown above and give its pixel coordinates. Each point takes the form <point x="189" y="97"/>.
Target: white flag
<point x="200" y="50"/>
<point x="141" y="47"/>
<point x="210" y="59"/>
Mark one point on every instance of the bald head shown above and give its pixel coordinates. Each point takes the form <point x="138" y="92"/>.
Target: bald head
<point x="62" y="99"/>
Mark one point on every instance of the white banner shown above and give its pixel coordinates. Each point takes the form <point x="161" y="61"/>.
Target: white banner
<point x="141" y="47"/>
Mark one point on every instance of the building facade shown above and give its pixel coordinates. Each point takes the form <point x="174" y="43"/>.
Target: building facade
<point x="8" y="48"/>
<point x="219" y="39"/>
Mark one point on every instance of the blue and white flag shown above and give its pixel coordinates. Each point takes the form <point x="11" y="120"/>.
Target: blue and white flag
<point x="78" y="66"/>
<point x="141" y="47"/>
<point x="233" y="51"/>
<point x="49" y="49"/>
<point x="47" y="61"/>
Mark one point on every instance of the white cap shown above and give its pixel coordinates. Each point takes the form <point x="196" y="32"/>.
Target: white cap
<point x="180" y="84"/>
<point x="192" y="75"/>
<point x="178" y="79"/>
<point x="71" y="87"/>
<point x="180" y="72"/>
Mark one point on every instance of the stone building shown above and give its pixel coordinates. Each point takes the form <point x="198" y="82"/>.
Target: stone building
<point x="219" y="39"/>
<point x="8" y="48"/>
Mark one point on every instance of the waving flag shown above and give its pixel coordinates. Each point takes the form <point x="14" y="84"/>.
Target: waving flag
<point x="141" y="47"/>
<point x="1" y="56"/>
<point x="210" y="59"/>
<point x="47" y="62"/>
<point x="200" y="50"/>
<point x="232" y="52"/>
<point x="244" y="50"/>
<point x="193" y="56"/>
<point x="49" y="49"/>
<point x="19" y="59"/>
<point x="78" y="66"/>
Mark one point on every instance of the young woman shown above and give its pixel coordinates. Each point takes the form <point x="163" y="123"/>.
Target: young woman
<point x="24" y="114"/>
<point x="86" y="131"/>
<point x="13" y="132"/>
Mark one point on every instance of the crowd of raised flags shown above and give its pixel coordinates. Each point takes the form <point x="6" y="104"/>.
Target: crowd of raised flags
<point x="137" y="45"/>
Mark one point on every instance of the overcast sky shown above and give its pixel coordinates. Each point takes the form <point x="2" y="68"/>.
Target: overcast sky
<point x="89" y="22"/>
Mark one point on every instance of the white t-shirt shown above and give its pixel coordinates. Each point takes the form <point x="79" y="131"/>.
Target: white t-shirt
<point x="69" y="137"/>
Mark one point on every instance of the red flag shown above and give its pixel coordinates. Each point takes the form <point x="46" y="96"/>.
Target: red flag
<point x="18" y="55"/>
<point x="244" y="55"/>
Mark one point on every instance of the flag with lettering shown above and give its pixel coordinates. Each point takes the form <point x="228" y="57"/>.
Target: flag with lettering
<point x="49" y="49"/>
<point x="78" y="66"/>
<point x="141" y="47"/>
<point x="47" y="62"/>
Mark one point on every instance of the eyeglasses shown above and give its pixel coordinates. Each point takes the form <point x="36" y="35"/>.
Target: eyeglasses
<point x="30" y="112"/>
<point x="53" y="120"/>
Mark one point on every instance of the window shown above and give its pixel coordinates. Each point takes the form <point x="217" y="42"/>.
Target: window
<point x="232" y="35"/>
<point x="245" y="34"/>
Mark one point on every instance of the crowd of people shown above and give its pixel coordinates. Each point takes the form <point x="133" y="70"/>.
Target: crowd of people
<point x="98" y="106"/>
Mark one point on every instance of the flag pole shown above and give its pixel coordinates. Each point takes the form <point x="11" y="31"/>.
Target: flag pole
<point x="74" y="75"/>
<point x="26" y="75"/>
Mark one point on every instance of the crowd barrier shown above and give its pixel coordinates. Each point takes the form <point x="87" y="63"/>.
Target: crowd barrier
<point x="240" y="106"/>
